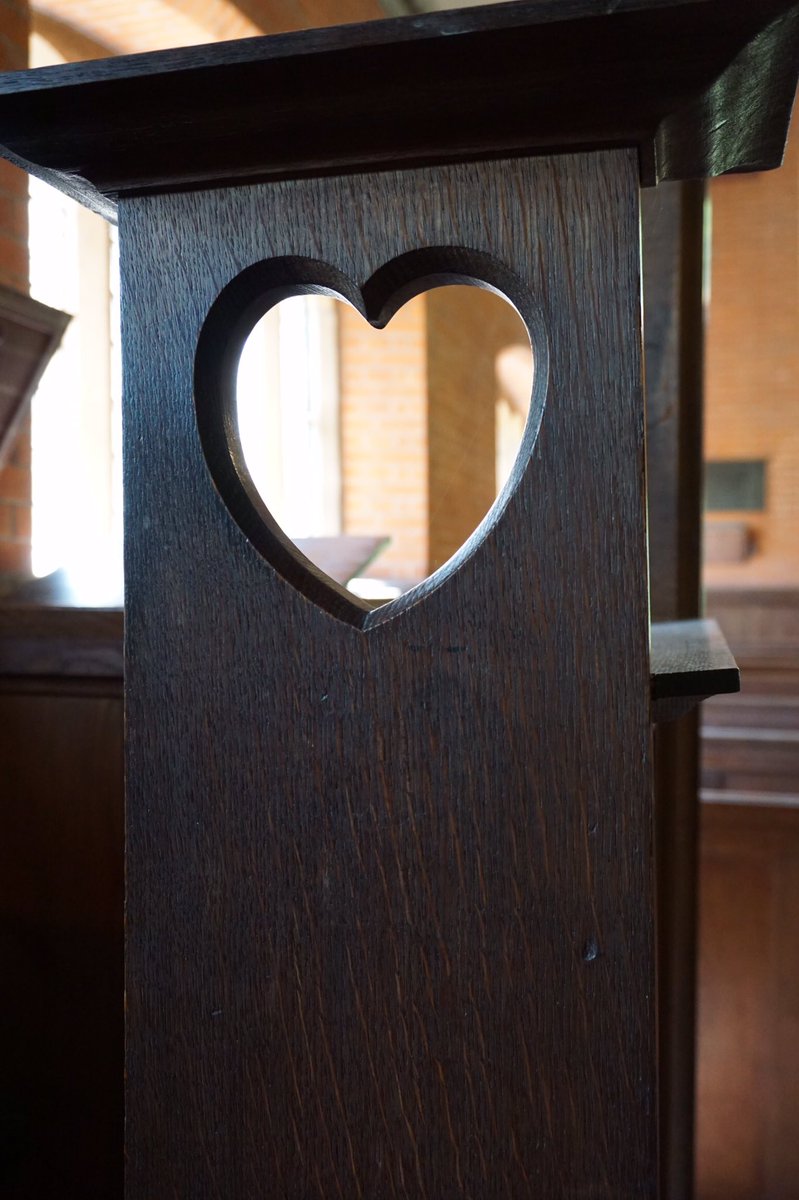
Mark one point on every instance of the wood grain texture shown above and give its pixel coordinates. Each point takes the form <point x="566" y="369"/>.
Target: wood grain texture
<point x="748" y="1079"/>
<point x="761" y="622"/>
<point x="390" y="898"/>
<point x="750" y="759"/>
<point x="672" y="248"/>
<point x="691" y="660"/>
<point x="60" y="642"/>
<point x="483" y="83"/>
<point x="676" y="853"/>
<point x="61" y="1011"/>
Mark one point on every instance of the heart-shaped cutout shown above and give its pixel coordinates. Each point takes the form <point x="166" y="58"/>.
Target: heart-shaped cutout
<point x="333" y="444"/>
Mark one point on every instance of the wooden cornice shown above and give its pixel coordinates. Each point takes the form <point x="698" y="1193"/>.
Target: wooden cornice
<point x="699" y="87"/>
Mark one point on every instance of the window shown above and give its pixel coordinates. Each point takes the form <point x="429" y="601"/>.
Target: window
<point x="288" y="412"/>
<point x="75" y="416"/>
<point x="735" y="486"/>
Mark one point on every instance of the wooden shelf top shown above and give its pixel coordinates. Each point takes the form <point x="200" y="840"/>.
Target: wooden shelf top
<point x="49" y="627"/>
<point x="60" y="642"/>
<point x="698" y="87"/>
<point x="689" y="661"/>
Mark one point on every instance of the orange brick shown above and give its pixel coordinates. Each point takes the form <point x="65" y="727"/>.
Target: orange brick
<point x="752" y="346"/>
<point x="13" y="180"/>
<point x="13" y="56"/>
<point x="15" y="558"/>
<point x="384" y="435"/>
<point x="21" y="453"/>
<point x="13" y="259"/>
<point x="21" y="521"/>
<point x="14" y="35"/>
<point x="14" y="214"/>
<point x="6" y="521"/>
<point x="15" y="484"/>
<point x="11" y="7"/>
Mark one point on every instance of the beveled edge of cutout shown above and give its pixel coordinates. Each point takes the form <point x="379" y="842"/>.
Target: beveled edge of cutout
<point x="229" y="322"/>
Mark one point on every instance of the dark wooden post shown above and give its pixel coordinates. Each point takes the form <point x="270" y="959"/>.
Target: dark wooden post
<point x="391" y="908"/>
<point x="672" y="247"/>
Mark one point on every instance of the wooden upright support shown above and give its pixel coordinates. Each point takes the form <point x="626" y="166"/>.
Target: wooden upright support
<point x="391" y="908"/>
<point x="672" y="244"/>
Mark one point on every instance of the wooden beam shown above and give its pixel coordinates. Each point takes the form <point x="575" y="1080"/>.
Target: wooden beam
<point x="671" y="228"/>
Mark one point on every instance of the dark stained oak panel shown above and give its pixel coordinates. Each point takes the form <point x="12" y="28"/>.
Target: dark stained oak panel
<point x="61" y="1011"/>
<point x="748" y="1061"/>
<point x="390" y="903"/>
<point x="671" y="244"/>
<point x="672" y="237"/>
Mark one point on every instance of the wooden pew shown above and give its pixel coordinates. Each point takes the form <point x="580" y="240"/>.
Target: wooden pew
<point x="61" y="897"/>
<point x="748" y="1060"/>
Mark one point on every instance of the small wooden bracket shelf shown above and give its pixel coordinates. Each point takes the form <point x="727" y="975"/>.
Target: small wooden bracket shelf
<point x="690" y="660"/>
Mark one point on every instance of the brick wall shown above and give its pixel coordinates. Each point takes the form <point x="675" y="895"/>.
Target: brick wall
<point x="466" y="330"/>
<point x="384" y="435"/>
<point x="752" y="350"/>
<point x="418" y="424"/>
<point x="15" y="479"/>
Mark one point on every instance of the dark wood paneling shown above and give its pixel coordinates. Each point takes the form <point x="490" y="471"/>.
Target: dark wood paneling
<point x="754" y="746"/>
<point x="690" y="660"/>
<point x="756" y="708"/>
<point x="390" y="903"/>
<point x="761" y="624"/>
<point x="752" y="759"/>
<point x="748" y="1083"/>
<point x="51" y="643"/>
<point x="672" y="243"/>
<point x="671" y="236"/>
<point x="749" y="949"/>
<point x="60" y="944"/>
